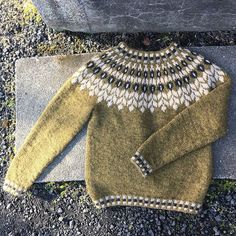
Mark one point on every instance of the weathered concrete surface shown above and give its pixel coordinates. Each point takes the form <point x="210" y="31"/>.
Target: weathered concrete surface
<point x="224" y="149"/>
<point x="38" y="79"/>
<point x="138" y="16"/>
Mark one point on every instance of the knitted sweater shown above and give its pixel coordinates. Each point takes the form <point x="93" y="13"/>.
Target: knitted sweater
<point x="151" y="116"/>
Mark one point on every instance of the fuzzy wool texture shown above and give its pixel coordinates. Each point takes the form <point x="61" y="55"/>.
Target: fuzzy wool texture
<point x="176" y="144"/>
<point x="196" y="126"/>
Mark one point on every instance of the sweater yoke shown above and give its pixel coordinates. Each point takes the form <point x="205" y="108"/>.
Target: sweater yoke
<point x="149" y="80"/>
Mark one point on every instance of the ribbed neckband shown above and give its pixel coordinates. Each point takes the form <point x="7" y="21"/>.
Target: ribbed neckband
<point x="171" y="48"/>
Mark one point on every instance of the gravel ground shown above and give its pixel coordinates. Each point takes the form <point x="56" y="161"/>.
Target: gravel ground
<point x="65" y="208"/>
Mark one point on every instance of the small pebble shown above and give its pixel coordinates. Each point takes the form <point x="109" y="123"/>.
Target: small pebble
<point x="150" y="233"/>
<point x="71" y="224"/>
<point x="216" y="231"/>
<point x="8" y="206"/>
<point x="59" y="211"/>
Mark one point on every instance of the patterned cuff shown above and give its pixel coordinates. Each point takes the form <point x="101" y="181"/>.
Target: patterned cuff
<point x="143" y="166"/>
<point x="12" y="188"/>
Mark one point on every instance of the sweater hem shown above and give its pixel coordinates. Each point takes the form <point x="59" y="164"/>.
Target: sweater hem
<point x="156" y="203"/>
<point x="12" y="188"/>
<point x="143" y="166"/>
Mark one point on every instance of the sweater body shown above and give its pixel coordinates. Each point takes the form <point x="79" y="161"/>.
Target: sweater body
<point x="112" y="180"/>
<point x="152" y="118"/>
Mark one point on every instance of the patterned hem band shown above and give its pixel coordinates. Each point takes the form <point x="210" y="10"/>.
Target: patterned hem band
<point x="13" y="188"/>
<point x="141" y="164"/>
<point x="157" y="203"/>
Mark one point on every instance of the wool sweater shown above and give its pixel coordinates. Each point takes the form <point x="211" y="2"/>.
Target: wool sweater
<point x="151" y="116"/>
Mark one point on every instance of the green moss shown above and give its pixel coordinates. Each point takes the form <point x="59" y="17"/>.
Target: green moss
<point x="225" y="185"/>
<point x="29" y="194"/>
<point x="83" y="199"/>
<point x="221" y="186"/>
<point x="166" y="38"/>
<point x="62" y="189"/>
<point x="47" y="48"/>
<point x="233" y="227"/>
<point x="57" y="187"/>
<point x="50" y="187"/>
<point x="74" y="194"/>
<point x="10" y="103"/>
<point x="30" y="12"/>
<point x="130" y="227"/>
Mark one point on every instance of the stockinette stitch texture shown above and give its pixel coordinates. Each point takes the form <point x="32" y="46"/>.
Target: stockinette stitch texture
<point x="152" y="118"/>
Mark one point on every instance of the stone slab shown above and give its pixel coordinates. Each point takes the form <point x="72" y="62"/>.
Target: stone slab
<point x="224" y="149"/>
<point x="38" y="79"/>
<point x="94" y="16"/>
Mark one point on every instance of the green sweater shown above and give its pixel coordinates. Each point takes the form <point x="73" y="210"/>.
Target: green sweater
<point x="152" y="118"/>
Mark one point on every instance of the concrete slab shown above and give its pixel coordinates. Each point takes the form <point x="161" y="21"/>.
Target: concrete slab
<point x="224" y="149"/>
<point x="32" y="74"/>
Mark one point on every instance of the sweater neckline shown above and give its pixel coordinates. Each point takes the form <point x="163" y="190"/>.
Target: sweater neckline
<point x="167" y="50"/>
<point x="139" y="57"/>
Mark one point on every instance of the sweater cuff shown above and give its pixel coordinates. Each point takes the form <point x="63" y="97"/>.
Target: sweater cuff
<point x="13" y="188"/>
<point x="143" y="166"/>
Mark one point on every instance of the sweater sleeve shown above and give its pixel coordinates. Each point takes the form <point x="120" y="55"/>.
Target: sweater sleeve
<point x="60" y="121"/>
<point x="200" y="123"/>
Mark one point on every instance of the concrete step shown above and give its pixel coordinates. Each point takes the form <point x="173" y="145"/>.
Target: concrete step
<point x="138" y="16"/>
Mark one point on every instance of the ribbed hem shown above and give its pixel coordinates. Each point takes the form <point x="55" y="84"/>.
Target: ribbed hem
<point x="156" y="203"/>
<point x="143" y="166"/>
<point x="12" y="188"/>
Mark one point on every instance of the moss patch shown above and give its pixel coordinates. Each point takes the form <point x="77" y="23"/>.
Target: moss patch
<point x="47" y="48"/>
<point x="220" y="186"/>
<point x="30" y="12"/>
<point x="225" y="185"/>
